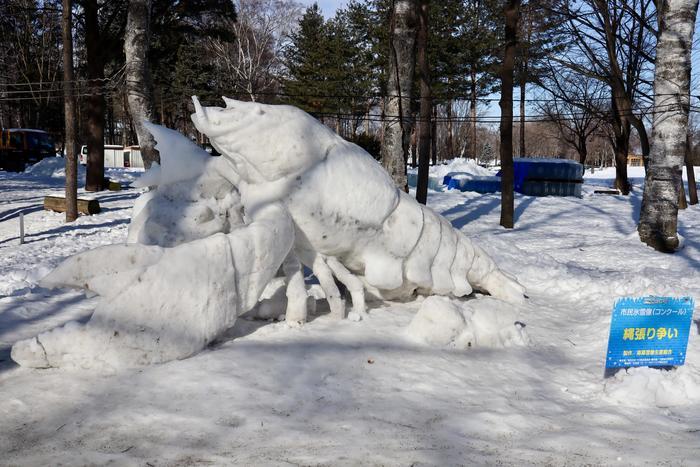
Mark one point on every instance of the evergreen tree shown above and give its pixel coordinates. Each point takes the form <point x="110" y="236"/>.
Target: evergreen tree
<point x="330" y="65"/>
<point x="179" y="67"/>
<point x="308" y="59"/>
<point x="487" y="154"/>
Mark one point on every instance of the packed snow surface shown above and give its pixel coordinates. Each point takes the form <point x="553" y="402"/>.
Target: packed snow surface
<point x="387" y="390"/>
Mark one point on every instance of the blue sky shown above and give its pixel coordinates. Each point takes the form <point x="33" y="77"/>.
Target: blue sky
<point x="328" y="7"/>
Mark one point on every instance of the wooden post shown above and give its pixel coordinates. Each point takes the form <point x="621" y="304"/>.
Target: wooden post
<point x="21" y="228"/>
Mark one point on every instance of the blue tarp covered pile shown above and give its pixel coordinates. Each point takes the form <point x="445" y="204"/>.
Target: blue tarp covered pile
<point x="463" y="181"/>
<point x="547" y="177"/>
<point x="532" y="176"/>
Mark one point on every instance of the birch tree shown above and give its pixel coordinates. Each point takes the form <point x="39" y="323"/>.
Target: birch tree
<point x="659" y="215"/>
<point x="396" y="124"/>
<point x="138" y="81"/>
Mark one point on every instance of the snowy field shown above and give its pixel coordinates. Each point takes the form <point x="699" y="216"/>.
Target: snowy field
<point x="365" y="393"/>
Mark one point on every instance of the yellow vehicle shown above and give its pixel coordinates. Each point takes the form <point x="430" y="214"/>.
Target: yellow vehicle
<point x="22" y="146"/>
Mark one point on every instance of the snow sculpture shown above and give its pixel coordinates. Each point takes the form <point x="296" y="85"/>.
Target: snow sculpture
<point x="308" y="198"/>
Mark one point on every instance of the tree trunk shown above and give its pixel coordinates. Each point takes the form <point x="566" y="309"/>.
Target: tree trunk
<point x="659" y="215"/>
<point x="433" y="137"/>
<point x="414" y="147"/>
<point x="522" y="111"/>
<point x="425" y="104"/>
<point x="682" y="201"/>
<point x="582" y="150"/>
<point x="397" y="105"/>
<point x="95" y="110"/>
<point x="138" y="80"/>
<point x="110" y="122"/>
<point x="449" y="142"/>
<point x="621" y="148"/>
<point x="69" y="111"/>
<point x="506" y="104"/>
<point x="472" y="115"/>
<point x="369" y="108"/>
<point x="692" y="187"/>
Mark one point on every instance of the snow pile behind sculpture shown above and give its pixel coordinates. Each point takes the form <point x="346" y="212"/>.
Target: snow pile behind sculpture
<point x="52" y="167"/>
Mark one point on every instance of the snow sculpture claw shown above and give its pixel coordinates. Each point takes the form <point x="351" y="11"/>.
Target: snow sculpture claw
<point x="161" y="304"/>
<point x="203" y="246"/>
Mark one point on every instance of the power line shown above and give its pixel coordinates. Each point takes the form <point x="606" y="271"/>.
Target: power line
<point x="452" y="96"/>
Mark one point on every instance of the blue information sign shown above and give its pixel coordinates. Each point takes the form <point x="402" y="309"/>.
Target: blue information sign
<point x="649" y="331"/>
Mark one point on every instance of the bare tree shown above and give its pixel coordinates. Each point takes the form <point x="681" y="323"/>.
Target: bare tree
<point x="69" y="110"/>
<point x="612" y="41"/>
<point x="33" y="41"/>
<point x="576" y="107"/>
<point x="659" y="215"/>
<point x="253" y="59"/>
<point x="138" y="81"/>
<point x="507" y="177"/>
<point x="396" y="124"/>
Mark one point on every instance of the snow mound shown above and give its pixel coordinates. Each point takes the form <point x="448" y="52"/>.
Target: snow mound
<point x="123" y="175"/>
<point x="486" y="322"/>
<point x="643" y="387"/>
<point x="438" y="322"/>
<point x="19" y="279"/>
<point x="52" y="167"/>
<point x="468" y="166"/>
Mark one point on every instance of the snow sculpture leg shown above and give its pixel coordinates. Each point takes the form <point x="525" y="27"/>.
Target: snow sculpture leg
<point x="353" y="284"/>
<point x="161" y="304"/>
<point x="324" y="274"/>
<point x="297" y="297"/>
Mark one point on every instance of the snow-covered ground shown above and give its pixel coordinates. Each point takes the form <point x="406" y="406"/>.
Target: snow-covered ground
<point x="367" y="393"/>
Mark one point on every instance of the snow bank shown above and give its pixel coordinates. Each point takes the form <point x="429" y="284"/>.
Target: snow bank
<point x="53" y="167"/>
<point x="123" y="176"/>
<point x="644" y="387"/>
<point x="19" y="279"/>
<point x="460" y="164"/>
<point x="485" y="322"/>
